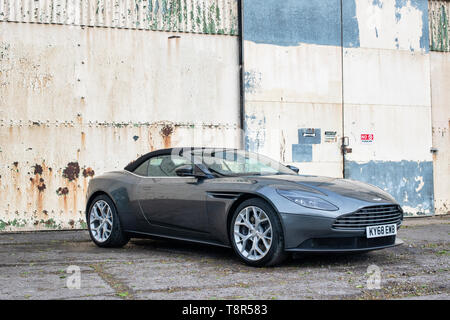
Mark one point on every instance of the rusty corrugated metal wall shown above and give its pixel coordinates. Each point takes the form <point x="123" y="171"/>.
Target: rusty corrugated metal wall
<point x="439" y="12"/>
<point x="87" y="86"/>
<point x="195" y="16"/>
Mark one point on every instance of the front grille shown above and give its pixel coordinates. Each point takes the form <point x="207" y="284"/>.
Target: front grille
<point x="370" y="216"/>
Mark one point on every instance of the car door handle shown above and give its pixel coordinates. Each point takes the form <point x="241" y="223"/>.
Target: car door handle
<point x="147" y="188"/>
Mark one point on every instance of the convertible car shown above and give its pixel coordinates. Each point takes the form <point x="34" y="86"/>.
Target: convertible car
<point x="234" y="198"/>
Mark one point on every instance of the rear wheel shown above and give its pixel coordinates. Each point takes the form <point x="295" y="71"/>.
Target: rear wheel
<point x="104" y="224"/>
<point x="256" y="234"/>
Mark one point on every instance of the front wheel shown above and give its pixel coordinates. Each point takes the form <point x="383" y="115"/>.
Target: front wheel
<point x="104" y="224"/>
<point x="256" y="234"/>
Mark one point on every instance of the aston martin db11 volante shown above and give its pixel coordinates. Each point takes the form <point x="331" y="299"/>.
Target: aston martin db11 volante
<point x="234" y="198"/>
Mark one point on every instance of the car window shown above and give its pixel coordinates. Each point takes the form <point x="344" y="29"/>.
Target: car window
<point x="165" y="166"/>
<point x="238" y="162"/>
<point x="156" y="161"/>
<point x="142" y="169"/>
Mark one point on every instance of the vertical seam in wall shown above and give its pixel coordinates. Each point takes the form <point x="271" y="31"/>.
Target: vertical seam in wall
<point x="432" y="135"/>
<point x="430" y="58"/>
<point x="342" y="88"/>
<point x="241" y="75"/>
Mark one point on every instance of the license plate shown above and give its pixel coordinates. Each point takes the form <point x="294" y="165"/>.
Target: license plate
<point x="381" y="231"/>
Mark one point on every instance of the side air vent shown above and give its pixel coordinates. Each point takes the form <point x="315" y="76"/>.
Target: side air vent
<point x="224" y="195"/>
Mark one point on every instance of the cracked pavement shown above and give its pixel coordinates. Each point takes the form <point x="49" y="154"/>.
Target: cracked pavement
<point x="34" y="266"/>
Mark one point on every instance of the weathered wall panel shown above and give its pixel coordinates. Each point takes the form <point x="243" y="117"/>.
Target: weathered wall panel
<point x="439" y="25"/>
<point x="197" y="16"/>
<point x="384" y="75"/>
<point x="387" y="94"/>
<point x="440" y="85"/>
<point x="293" y="81"/>
<point x="392" y="24"/>
<point x="76" y="102"/>
<point x="46" y="169"/>
<point x="278" y="134"/>
<point x="115" y="75"/>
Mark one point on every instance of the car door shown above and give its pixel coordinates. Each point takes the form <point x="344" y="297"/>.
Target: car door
<point x="171" y="204"/>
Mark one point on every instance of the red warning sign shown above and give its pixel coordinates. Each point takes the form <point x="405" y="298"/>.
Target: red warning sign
<point x="366" y="137"/>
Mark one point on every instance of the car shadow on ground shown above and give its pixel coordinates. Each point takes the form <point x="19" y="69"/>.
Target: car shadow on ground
<point x="222" y="255"/>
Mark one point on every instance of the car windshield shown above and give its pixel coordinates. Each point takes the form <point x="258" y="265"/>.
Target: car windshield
<point x="239" y="163"/>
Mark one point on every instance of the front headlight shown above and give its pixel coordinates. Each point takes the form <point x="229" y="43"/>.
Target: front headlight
<point x="307" y="201"/>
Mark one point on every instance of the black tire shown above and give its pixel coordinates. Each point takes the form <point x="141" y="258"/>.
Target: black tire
<point x="117" y="238"/>
<point x="276" y="253"/>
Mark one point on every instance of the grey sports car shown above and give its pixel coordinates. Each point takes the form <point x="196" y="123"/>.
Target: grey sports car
<point x="234" y="198"/>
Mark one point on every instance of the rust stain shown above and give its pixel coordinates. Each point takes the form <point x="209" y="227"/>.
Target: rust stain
<point x="72" y="171"/>
<point x="74" y="188"/>
<point x="83" y="140"/>
<point x="38" y="183"/>
<point x="88" y="172"/>
<point x="150" y="141"/>
<point x="62" y="191"/>
<point x="41" y="185"/>
<point x="166" y="133"/>
<point x="37" y="169"/>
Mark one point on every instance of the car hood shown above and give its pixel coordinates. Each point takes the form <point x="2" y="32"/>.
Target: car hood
<point x="326" y="185"/>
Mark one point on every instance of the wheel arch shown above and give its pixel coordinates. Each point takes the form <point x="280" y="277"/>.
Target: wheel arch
<point x="246" y="196"/>
<point x="96" y="194"/>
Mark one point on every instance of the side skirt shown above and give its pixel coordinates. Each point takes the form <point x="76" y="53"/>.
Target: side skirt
<point x="138" y="234"/>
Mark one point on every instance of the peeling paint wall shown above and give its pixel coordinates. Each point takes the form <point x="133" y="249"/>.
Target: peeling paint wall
<point x="78" y="101"/>
<point x="393" y="24"/>
<point x="304" y="70"/>
<point x="439" y="25"/>
<point x="293" y="80"/>
<point x="196" y="16"/>
<point x="387" y="94"/>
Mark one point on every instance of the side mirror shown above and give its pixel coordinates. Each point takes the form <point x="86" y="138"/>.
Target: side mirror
<point x="188" y="170"/>
<point x="185" y="171"/>
<point x="293" y="168"/>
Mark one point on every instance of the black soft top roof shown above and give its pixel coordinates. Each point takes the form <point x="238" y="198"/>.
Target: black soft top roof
<point x="136" y="163"/>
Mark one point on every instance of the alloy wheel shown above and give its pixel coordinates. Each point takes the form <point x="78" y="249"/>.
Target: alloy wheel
<point x="101" y="221"/>
<point x="253" y="233"/>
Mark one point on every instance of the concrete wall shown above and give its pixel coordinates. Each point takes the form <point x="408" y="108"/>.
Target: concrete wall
<point x="76" y="101"/>
<point x="374" y="68"/>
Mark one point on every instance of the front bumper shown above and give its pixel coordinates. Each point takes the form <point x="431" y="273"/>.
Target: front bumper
<point x="304" y="233"/>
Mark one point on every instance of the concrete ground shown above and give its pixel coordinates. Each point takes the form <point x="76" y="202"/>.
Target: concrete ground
<point x="35" y="266"/>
